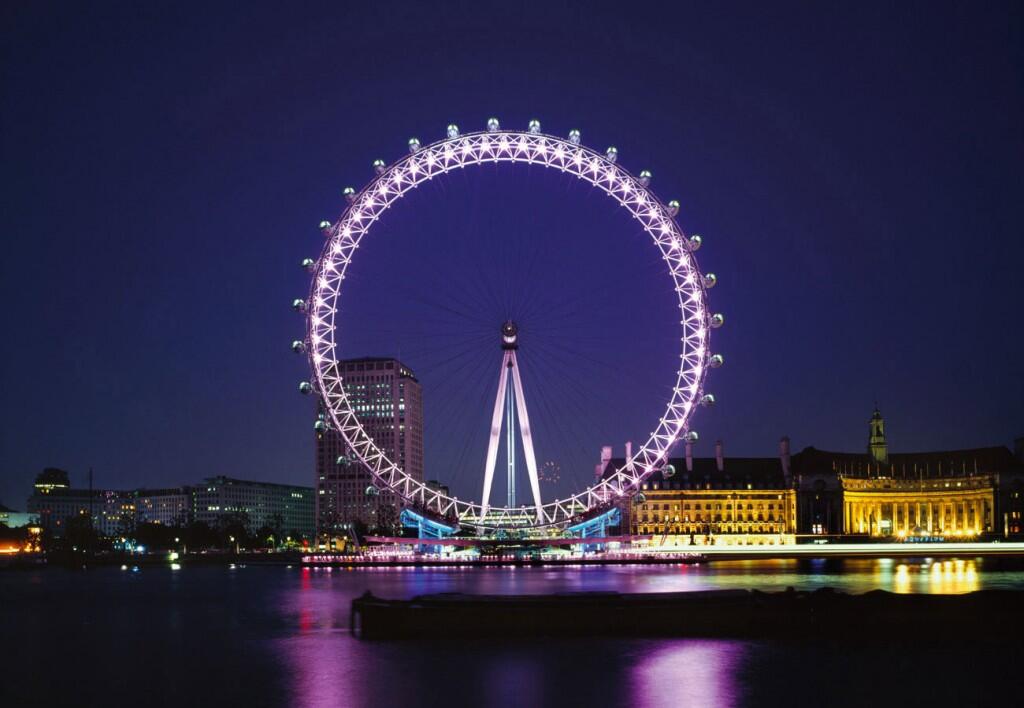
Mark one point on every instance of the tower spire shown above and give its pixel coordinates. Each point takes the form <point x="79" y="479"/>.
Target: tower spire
<point x="878" y="448"/>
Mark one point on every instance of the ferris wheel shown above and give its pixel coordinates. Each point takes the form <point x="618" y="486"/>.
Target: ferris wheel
<point x="481" y="149"/>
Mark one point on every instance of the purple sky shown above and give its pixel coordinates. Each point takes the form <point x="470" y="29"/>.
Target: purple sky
<point x="855" y="172"/>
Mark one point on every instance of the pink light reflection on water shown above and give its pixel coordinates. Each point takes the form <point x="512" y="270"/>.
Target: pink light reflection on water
<point x="692" y="672"/>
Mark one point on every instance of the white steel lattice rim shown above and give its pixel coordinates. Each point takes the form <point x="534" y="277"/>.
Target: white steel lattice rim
<point x="535" y="148"/>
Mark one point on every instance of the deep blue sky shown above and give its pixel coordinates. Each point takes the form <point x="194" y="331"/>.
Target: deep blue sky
<point x="855" y="170"/>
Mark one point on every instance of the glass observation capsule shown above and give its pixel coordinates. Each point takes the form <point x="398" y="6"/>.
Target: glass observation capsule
<point x="349" y="193"/>
<point x="305" y="388"/>
<point x="574" y="137"/>
<point x="453" y="130"/>
<point x="534" y="126"/>
<point x="493" y="126"/>
<point x="707" y="400"/>
<point x="695" y="242"/>
<point x="710" y="280"/>
<point x="645" y="177"/>
<point x="673" y="207"/>
<point x="716" y="361"/>
<point x="324" y="225"/>
<point x="308" y="264"/>
<point x="717" y="320"/>
<point x="692" y="436"/>
<point x="299" y="305"/>
<point x="668" y="471"/>
<point x="414" y="145"/>
<point x="611" y="154"/>
<point x="298" y="346"/>
<point x="379" y="166"/>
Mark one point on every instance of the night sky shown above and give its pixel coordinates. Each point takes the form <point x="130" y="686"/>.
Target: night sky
<point x="855" y="172"/>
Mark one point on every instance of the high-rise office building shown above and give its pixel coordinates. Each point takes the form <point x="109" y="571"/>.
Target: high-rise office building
<point x="388" y="400"/>
<point x="286" y="508"/>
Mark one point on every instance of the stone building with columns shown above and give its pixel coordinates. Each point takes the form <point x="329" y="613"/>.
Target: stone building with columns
<point x="711" y="500"/>
<point x="951" y="494"/>
<point x="878" y="494"/>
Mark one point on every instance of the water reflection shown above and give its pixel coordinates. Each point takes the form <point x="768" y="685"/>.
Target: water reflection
<point x="689" y="673"/>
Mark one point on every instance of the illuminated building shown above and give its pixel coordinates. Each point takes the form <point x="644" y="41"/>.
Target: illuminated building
<point x="54" y="501"/>
<point x="953" y="493"/>
<point x="712" y="500"/>
<point x="284" y="507"/>
<point x="214" y="501"/>
<point x="13" y="519"/>
<point x="168" y="507"/>
<point x="387" y="398"/>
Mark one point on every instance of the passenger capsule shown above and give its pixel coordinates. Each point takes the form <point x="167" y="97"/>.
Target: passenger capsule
<point x="707" y="400"/>
<point x="309" y="264"/>
<point x="673" y="207"/>
<point x="692" y="436"/>
<point x="668" y="471"/>
<point x="299" y="305"/>
<point x="319" y="426"/>
<point x="342" y="460"/>
<point x="717" y="320"/>
<point x="710" y="280"/>
<point x="534" y="126"/>
<point x="645" y="177"/>
<point x="379" y="166"/>
<point x="349" y="193"/>
<point x="695" y="242"/>
<point x="640" y="498"/>
<point x="414" y="145"/>
<point x="493" y="126"/>
<point x="611" y="154"/>
<point x="372" y="491"/>
<point x="453" y="130"/>
<point x="574" y="137"/>
<point x="716" y="361"/>
<point x="325" y="225"/>
<point x="298" y="346"/>
<point x="305" y="388"/>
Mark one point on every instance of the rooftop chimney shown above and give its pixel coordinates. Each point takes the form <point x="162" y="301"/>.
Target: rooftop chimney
<point x="606" y="457"/>
<point x="719" y="459"/>
<point x="689" y="456"/>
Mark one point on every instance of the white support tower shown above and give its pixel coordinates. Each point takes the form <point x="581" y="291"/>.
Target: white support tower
<point x="508" y="403"/>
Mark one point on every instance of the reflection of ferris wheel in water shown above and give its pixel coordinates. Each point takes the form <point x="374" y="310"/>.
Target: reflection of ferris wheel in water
<point x="496" y="145"/>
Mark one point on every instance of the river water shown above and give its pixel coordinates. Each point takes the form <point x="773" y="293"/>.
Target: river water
<point x="276" y="636"/>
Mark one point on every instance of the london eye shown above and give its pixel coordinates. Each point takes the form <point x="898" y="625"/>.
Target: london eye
<point x="628" y="192"/>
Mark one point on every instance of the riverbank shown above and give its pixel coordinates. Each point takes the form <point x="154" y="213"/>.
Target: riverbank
<point x="651" y="556"/>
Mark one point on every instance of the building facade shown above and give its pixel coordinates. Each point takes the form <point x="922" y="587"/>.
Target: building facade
<point x="217" y="500"/>
<point x="54" y="501"/>
<point x="167" y="507"/>
<point x="284" y="507"/>
<point x="13" y="519"/>
<point x="712" y="501"/>
<point x="951" y="493"/>
<point x="388" y="401"/>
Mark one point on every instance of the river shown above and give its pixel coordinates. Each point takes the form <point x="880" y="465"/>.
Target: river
<point x="277" y="636"/>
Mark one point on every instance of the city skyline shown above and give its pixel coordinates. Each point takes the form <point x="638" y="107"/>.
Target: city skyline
<point x="837" y="268"/>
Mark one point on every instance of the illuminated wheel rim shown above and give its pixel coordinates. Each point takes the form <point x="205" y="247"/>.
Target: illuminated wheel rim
<point x="534" y="148"/>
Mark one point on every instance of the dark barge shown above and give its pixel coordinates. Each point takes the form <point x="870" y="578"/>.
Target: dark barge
<point x="742" y="614"/>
